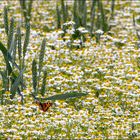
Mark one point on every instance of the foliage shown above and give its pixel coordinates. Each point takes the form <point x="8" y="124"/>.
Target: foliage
<point x="26" y="7"/>
<point x="98" y="19"/>
<point x="71" y="94"/>
<point x="11" y="80"/>
<point x="36" y="71"/>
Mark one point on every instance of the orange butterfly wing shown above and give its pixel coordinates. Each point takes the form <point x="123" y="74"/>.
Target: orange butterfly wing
<point x="44" y="106"/>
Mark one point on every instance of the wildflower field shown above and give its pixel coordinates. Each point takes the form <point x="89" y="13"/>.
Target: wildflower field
<point x="70" y="69"/>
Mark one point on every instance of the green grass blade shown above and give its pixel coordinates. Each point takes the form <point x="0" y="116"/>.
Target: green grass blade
<point x="10" y="32"/>
<point x="16" y="84"/>
<point x="58" y="17"/>
<point x="75" y="18"/>
<point x="63" y="11"/>
<point x="41" y="56"/>
<point x="4" y="79"/>
<point x="15" y="48"/>
<point x="43" y="87"/>
<point x="104" y="23"/>
<point x="11" y="49"/>
<point x="92" y="15"/>
<point x="4" y="51"/>
<point x="6" y="26"/>
<point x="112" y="8"/>
<point x="84" y="17"/>
<point x="19" y="44"/>
<point x="29" y="10"/>
<point x="24" y="9"/>
<point x="26" y="41"/>
<point x="134" y="24"/>
<point x="66" y="11"/>
<point x="7" y="59"/>
<point x="34" y="75"/>
<point x="65" y="96"/>
<point x="2" y="96"/>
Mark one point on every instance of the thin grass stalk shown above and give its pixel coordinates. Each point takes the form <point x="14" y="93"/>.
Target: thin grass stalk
<point x="79" y="12"/>
<point x="63" y="11"/>
<point x="19" y="46"/>
<point x="9" y="41"/>
<point x="98" y="22"/>
<point x="24" y="9"/>
<point x="11" y="49"/>
<point x="75" y="18"/>
<point x="10" y="32"/>
<point x="74" y="10"/>
<point x="4" y="79"/>
<point x="58" y="17"/>
<point x="22" y="97"/>
<point x="80" y="7"/>
<point x="134" y="24"/>
<point x="112" y="8"/>
<point x="41" y="57"/>
<point x="104" y="23"/>
<point x="15" y="47"/>
<point x="2" y="97"/>
<point x="43" y="87"/>
<point x="102" y="18"/>
<point x="84" y="17"/>
<point x="66" y="11"/>
<point x="34" y="76"/>
<point x="92" y="15"/>
<point x="25" y="45"/>
<point x="26" y="42"/>
<point x="15" y="84"/>
<point x="6" y="25"/>
<point x="29" y="11"/>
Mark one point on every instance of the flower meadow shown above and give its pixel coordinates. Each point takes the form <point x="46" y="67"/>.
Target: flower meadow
<point x="83" y="56"/>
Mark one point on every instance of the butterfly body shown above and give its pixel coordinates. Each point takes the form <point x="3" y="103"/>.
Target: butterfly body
<point x="44" y="106"/>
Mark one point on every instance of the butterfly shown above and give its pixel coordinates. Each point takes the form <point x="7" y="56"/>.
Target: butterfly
<point x="44" y="106"/>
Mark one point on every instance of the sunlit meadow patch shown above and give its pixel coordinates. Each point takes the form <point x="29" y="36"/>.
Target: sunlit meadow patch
<point x="105" y="65"/>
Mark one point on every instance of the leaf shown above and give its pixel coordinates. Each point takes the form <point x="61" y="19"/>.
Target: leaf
<point x="112" y="8"/>
<point x="12" y="45"/>
<point x="63" y="11"/>
<point x="7" y="58"/>
<point x="16" y="84"/>
<point x="29" y="10"/>
<point x="75" y="14"/>
<point x="26" y="41"/>
<point x="19" y="43"/>
<point x="15" y="48"/>
<point x="4" y="78"/>
<point x="92" y="15"/>
<point x="43" y="87"/>
<point x="4" y="51"/>
<point x="11" y="32"/>
<point x="84" y="13"/>
<point x="58" y="17"/>
<point x="71" y="94"/>
<point x="34" y="75"/>
<point x="41" y="56"/>
<point x="104" y="23"/>
<point x="23" y="8"/>
<point x="6" y="20"/>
